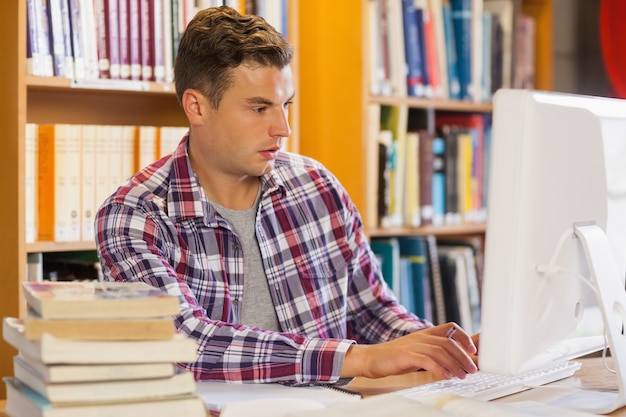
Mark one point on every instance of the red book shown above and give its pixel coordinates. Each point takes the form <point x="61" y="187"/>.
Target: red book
<point x="124" y="39"/>
<point x="146" y="44"/>
<point x="112" y="36"/>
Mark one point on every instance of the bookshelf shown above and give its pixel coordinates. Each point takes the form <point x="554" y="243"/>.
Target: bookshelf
<point x="34" y="99"/>
<point x="334" y="80"/>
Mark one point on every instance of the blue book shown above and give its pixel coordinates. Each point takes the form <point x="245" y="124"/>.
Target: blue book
<point x="462" y="23"/>
<point x="414" y="53"/>
<point x="439" y="181"/>
<point x="454" y="86"/>
<point x="414" y="251"/>
<point x="387" y="250"/>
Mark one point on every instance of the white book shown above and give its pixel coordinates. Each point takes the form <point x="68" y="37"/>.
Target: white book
<point x="30" y="182"/>
<point x="117" y="390"/>
<point x="24" y="402"/>
<point x="102" y="372"/>
<point x="88" y="181"/>
<point x="89" y="38"/>
<point x="50" y="349"/>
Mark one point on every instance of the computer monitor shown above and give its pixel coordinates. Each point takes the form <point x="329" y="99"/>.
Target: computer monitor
<point x="555" y="246"/>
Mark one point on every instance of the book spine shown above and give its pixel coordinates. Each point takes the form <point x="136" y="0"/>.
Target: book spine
<point x="112" y="37"/>
<point x="426" y="177"/>
<point x="124" y="40"/>
<point x="439" y="181"/>
<point x="462" y="20"/>
<point x="104" y="62"/>
<point x="158" y="44"/>
<point x="46" y="182"/>
<point x="67" y="39"/>
<point x="57" y="40"/>
<point x="88" y="181"/>
<point x="454" y="86"/>
<point x="168" y="52"/>
<point x="146" y="40"/>
<point x="30" y="181"/>
<point x="89" y="38"/>
<point x="134" y="24"/>
<point x="80" y="70"/>
<point x="413" y="53"/>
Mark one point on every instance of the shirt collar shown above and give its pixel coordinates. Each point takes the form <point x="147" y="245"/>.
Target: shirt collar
<point x="186" y="198"/>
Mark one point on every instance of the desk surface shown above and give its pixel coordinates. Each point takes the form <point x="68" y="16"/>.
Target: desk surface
<point x="592" y="375"/>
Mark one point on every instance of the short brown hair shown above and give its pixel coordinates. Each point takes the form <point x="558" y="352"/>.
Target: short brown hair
<point x="219" y="39"/>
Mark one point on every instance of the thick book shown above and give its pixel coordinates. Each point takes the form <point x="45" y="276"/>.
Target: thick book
<point x="127" y="390"/>
<point x="387" y="251"/>
<point x="96" y="300"/>
<point x="24" y="402"/>
<point x="50" y="349"/>
<point x="159" y="328"/>
<point x="58" y="188"/>
<point x="60" y="372"/>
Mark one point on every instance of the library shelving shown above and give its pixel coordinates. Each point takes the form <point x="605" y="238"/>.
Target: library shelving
<point x="334" y="81"/>
<point x="35" y="99"/>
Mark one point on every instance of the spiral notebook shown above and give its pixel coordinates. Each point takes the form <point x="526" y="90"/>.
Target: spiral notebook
<point x="235" y="399"/>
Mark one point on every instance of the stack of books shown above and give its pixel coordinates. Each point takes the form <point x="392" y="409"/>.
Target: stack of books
<point x="95" y="349"/>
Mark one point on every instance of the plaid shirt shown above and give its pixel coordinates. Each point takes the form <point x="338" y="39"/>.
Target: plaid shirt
<point x="324" y="280"/>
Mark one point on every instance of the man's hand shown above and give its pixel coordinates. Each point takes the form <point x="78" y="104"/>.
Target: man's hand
<point x="440" y="350"/>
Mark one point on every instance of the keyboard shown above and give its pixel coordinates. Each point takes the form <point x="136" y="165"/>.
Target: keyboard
<point x="487" y="386"/>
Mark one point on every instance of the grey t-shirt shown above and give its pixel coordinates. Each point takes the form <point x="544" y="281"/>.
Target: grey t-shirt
<point x="257" y="307"/>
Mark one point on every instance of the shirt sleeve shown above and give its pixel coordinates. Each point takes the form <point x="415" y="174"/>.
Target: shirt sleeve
<point x="376" y="315"/>
<point x="133" y="245"/>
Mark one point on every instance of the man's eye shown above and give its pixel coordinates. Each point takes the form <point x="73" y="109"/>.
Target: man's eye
<point x="259" y="109"/>
<point x="287" y="104"/>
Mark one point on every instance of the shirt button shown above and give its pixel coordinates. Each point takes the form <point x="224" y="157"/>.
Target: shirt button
<point x="235" y="247"/>
<point x="236" y="301"/>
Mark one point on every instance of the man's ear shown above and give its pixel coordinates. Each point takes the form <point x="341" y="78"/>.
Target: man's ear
<point x="194" y="104"/>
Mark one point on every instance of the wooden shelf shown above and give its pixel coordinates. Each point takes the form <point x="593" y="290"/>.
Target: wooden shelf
<point x="448" y="231"/>
<point x="440" y="105"/>
<point x="60" y="246"/>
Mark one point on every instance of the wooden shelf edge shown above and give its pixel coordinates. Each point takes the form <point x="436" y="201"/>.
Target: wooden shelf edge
<point x="460" y="230"/>
<point x="447" y="105"/>
<point x="60" y="246"/>
<point x="100" y="85"/>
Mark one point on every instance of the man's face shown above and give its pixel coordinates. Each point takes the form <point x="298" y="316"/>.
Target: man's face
<point x="242" y="137"/>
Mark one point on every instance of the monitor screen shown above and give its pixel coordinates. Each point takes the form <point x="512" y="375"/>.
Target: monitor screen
<point x="557" y="160"/>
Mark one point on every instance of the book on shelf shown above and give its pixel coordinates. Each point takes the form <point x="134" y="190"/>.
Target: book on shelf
<point x="99" y="329"/>
<point x="505" y="13"/>
<point x="58" y="182"/>
<point x="118" y="390"/>
<point x="461" y="13"/>
<point x="439" y="181"/>
<point x="426" y="171"/>
<point x="387" y="250"/>
<point x="414" y="250"/>
<point x="454" y="83"/>
<point x="89" y="160"/>
<point x="50" y="349"/>
<point x="465" y="283"/>
<point x="22" y="401"/>
<point x="414" y="55"/>
<point x="60" y="372"/>
<point x="124" y="300"/>
<point x="30" y="181"/>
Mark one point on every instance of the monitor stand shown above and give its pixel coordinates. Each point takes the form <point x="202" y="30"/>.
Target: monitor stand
<point x="611" y="296"/>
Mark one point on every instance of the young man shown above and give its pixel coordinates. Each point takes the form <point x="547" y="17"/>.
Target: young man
<point x="265" y="249"/>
